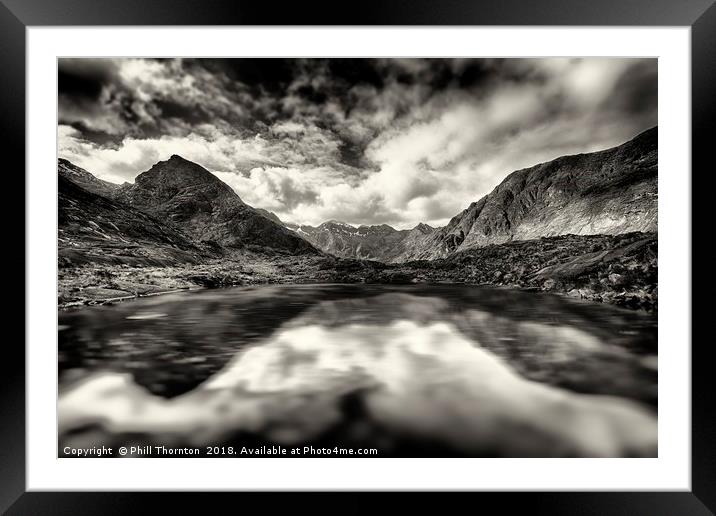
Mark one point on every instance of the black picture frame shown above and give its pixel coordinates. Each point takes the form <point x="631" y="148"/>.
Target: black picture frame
<point x="17" y="15"/>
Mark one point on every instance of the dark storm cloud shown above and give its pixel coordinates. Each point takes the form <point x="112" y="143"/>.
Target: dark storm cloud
<point x="94" y="100"/>
<point x="353" y="155"/>
<point x="79" y="85"/>
<point x="193" y="114"/>
<point x="636" y="91"/>
<point x="249" y="95"/>
<point x="84" y="78"/>
<point x="366" y="140"/>
<point x="267" y="74"/>
<point x="351" y="72"/>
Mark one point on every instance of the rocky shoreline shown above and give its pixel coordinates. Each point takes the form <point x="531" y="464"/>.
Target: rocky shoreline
<point x="614" y="269"/>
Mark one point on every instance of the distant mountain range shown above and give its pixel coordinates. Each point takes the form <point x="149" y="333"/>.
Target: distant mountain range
<point x="380" y="242"/>
<point x="185" y="212"/>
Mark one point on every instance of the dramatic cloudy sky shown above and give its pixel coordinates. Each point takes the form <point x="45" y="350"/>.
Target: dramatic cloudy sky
<point x="366" y="141"/>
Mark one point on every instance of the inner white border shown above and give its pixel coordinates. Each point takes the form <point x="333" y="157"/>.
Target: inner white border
<point x="670" y="471"/>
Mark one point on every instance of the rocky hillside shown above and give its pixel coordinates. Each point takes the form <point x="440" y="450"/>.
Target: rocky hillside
<point x="192" y="199"/>
<point x="613" y="191"/>
<point x="381" y="243"/>
<point x="84" y="179"/>
<point x="270" y="215"/>
<point x="617" y="269"/>
<point x="96" y="229"/>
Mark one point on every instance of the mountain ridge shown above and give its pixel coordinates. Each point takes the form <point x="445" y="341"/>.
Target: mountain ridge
<point x="93" y="228"/>
<point x="85" y="179"/>
<point x="379" y="242"/>
<point x="612" y="191"/>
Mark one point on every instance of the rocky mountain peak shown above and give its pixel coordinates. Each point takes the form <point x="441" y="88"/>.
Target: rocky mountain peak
<point x="423" y="228"/>
<point x="180" y="172"/>
<point x="376" y="228"/>
<point x="334" y="222"/>
<point x="191" y="198"/>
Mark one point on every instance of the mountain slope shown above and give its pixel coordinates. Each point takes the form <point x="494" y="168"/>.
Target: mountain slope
<point x="269" y="215"/>
<point x="380" y="242"/>
<point x="96" y="229"/>
<point x="612" y="191"/>
<point x="191" y="198"/>
<point x="84" y="179"/>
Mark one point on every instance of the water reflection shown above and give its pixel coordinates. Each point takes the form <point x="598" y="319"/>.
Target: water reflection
<point x="412" y="370"/>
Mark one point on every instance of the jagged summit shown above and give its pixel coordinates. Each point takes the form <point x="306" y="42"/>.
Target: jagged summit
<point x="423" y="228"/>
<point x="337" y="223"/>
<point x="379" y="227"/>
<point x="181" y="173"/>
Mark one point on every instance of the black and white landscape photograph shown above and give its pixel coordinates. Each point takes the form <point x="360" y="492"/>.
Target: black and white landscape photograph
<point x="342" y="257"/>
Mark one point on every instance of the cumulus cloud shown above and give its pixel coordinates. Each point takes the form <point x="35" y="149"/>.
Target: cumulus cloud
<point x="368" y="141"/>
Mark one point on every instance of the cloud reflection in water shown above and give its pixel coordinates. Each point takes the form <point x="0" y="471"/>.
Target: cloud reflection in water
<point x="418" y="370"/>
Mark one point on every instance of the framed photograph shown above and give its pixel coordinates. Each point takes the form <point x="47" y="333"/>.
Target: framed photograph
<point x="419" y="247"/>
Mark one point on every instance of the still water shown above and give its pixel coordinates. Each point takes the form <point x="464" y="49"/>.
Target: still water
<point x="416" y="370"/>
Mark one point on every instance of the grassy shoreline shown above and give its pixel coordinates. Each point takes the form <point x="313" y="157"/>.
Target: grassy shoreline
<point x="614" y="269"/>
